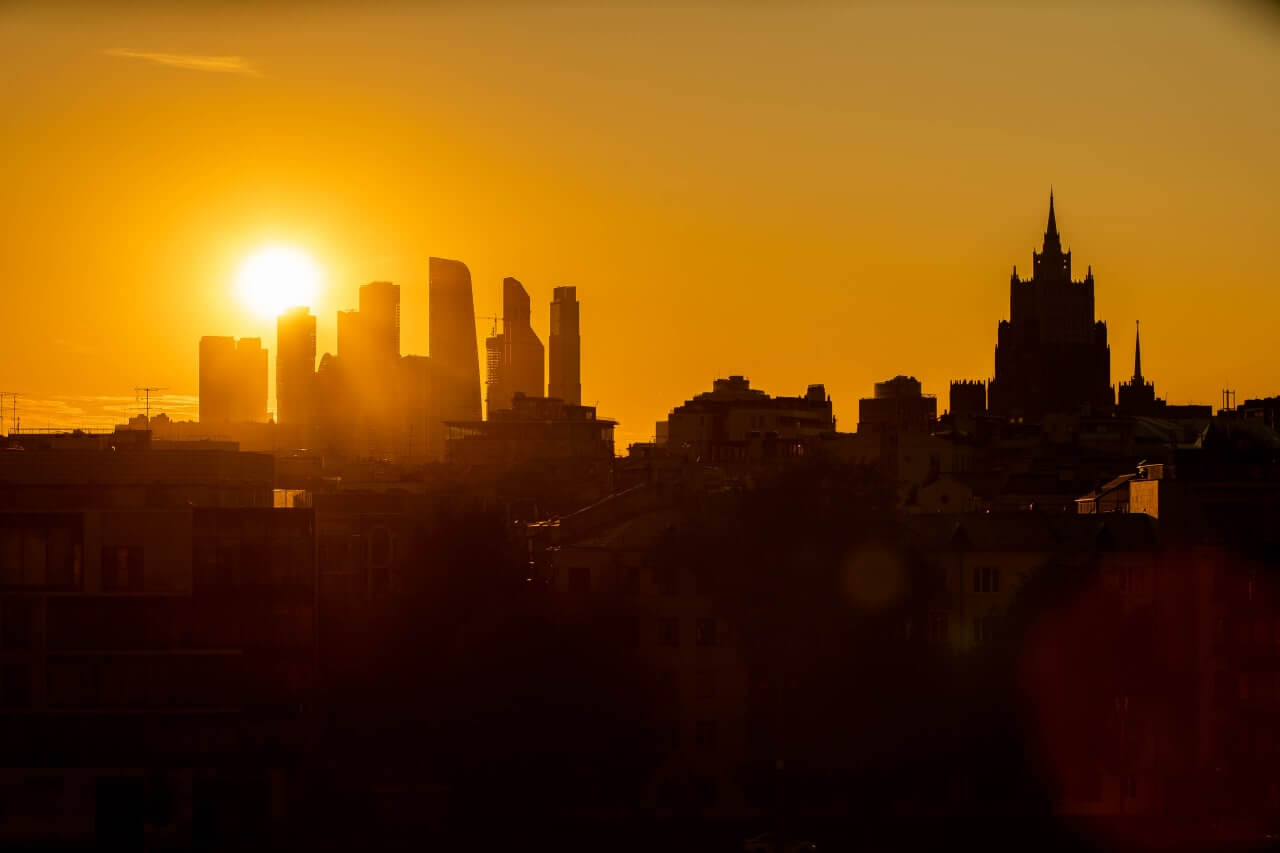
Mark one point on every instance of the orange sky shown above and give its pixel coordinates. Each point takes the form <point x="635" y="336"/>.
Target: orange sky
<point x="799" y="192"/>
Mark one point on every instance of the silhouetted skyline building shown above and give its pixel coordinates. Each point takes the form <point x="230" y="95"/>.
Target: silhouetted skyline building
<point x="295" y="367"/>
<point x="1137" y="396"/>
<point x="735" y="424"/>
<point x="518" y="366"/>
<point x="233" y="380"/>
<point x="380" y="317"/>
<point x="565" y="343"/>
<point x="417" y="396"/>
<point x="968" y="398"/>
<point x="453" y="341"/>
<point x="898" y="405"/>
<point x="1051" y="355"/>
<point x="370" y="337"/>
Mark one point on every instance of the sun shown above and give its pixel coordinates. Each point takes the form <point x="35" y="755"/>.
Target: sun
<point x="275" y="278"/>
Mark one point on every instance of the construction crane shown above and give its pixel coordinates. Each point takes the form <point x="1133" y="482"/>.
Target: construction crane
<point x="493" y="353"/>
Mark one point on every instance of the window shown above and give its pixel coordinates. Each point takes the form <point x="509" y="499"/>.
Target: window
<point x="706" y="684"/>
<point x="986" y="579"/>
<point x="704" y="733"/>
<point x="667" y="579"/>
<point x="669" y="632"/>
<point x="982" y="629"/>
<point x="39" y="552"/>
<point x="380" y="547"/>
<point x="122" y="568"/>
<point x="703" y="792"/>
<point x="937" y="627"/>
<point x="15" y="685"/>
<point x="72" y="683"/>
<point x="15" y="624"/>
<point x="706" y="632"/>
<point x="668" y="687"/>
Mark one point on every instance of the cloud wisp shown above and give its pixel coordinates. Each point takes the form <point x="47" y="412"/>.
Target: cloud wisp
<point x="190" y="61"/>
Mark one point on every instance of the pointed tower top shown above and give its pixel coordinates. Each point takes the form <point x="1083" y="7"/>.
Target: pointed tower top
<point x="1052" y="242"/>
<point x="1137" y="353"/>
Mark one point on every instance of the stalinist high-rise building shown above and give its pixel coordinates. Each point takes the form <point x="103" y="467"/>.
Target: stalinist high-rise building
<point x="1051" y="355"/>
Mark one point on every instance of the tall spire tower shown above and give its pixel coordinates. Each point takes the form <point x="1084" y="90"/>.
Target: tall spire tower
<point x="1051" y="354"/>
<point x="1137" y="352"/>
<point x="1052" y="241"/>
<point x="1138" y="396"/>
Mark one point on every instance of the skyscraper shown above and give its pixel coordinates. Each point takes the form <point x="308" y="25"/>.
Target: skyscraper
<point x="295" y="367"/>
<point x="1051" y="356"/>
<point x="249" y="400"/>
<point x="369" y="339"/>
<point x="565" y="357"/>
<point x="380" y="319"/>
<point x="217" y="376"/>
<point x="452" y="327"/>
<point x="233" y="380"/>
<point x="520" y="353"/>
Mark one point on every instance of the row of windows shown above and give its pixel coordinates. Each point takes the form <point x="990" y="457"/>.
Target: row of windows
<point x="669" y="686"/>
<point x="1259" y="687"/>
<point x="666" y="579"/>
<point x="984" y="628"/>
<point x="986" y="579"/>
<point x="284" y="560"/>
<point x="40" y="555"/>
<point x="127" y="682"/>
<point x="706" y="632"/>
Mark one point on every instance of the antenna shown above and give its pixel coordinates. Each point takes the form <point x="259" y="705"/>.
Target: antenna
<point x="142" y="396"/>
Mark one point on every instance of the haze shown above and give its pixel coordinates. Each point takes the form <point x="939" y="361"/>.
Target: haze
<point x="796" y="192"/>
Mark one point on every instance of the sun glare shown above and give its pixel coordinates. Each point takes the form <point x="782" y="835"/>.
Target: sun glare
<point x="275" y="278"/>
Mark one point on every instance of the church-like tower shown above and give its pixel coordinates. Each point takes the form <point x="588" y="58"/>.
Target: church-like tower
<point x="1138" y="396"/>
<point x="1051" y="356"/>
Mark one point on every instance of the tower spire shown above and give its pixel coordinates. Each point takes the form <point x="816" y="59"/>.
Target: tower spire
<point x="1052" y="242"/>
<point x="1137" y="353"/>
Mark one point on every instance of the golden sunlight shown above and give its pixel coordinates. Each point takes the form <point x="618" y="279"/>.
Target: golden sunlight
<point x="275" y="278"/>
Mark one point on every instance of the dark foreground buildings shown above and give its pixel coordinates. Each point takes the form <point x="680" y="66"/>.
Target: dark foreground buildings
<point x="157" y="644"/>
<point x="1035" y="614"/>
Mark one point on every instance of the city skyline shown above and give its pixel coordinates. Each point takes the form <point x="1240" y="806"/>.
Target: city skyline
<point x="770" y="426"/>
<point x="833" y="208"/>
<point x="184" y="408"/>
